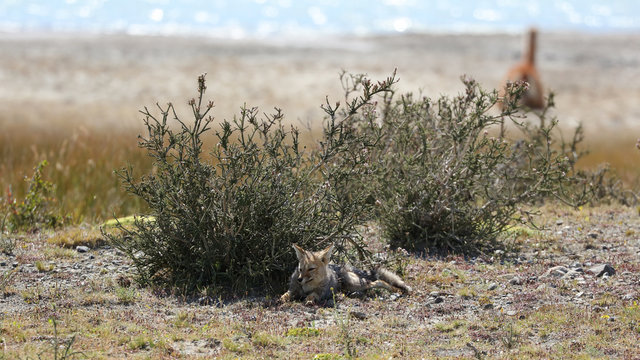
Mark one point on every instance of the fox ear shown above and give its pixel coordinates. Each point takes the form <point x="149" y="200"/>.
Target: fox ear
<point x="299" y="252"/>
<point x="326" y="254"/>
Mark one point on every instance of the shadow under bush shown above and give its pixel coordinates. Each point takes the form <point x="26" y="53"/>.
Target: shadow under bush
<point x="227" y="219"/>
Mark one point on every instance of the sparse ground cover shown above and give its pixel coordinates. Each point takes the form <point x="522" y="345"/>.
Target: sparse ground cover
<point x="539" y="302"/>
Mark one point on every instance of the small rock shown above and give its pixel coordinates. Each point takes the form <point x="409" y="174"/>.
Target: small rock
<point x="15" y="264"/>
<point x="434" y="294"/>
<point x="358" y="315"/>
<point x="600" y="270"/>
<point x="492" y="286"/>
<point x="511" y="313"/>
<point x="438" y="300"/>
<point x="82" y="249"/>
<point x="123" y="281"/>
<point x="572" y="274"/>
<point x="507" y="276"/>
<point x="488" y="306"/>
<point x="3" y="263"/>
<point x="559" y="222"/>
<point x="556" y="272"/>
<point x="579" y="294"/>
<point x="516" y="280"/>
<point x="593" y="235"/>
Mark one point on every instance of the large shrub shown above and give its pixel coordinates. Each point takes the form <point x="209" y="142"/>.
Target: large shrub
<point x="446" y="175"/>
<point x="228" y="217"/>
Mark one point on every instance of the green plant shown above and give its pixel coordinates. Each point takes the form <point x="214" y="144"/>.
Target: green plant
<point x="7" y="278"/>
<point x="38" y="207"/>
<point x="443" y="182"/>
<point x="303" y="331"/>
<point x="125" y="295"/>
<point x="347" y="340"/>
<point x="66" y="352"/>
<point x="7" y="244"/>
<point x="71" y="237"/>
<point x="509" y="337"/>
<point x="42" y="267"/>
<point x="141" y="342"/>
<point x="447" y="327"/>
<point x="228" y="218"/>
<point x="235" y="346"/>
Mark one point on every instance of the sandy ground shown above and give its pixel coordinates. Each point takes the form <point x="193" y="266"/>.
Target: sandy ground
<point x="55" y="79"/>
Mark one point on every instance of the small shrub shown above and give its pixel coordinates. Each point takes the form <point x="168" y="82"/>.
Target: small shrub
<point x="229" y="218"/>
<point x="266" y="340"/>
<point x="182" y="320"/>
<point x="7" y="278"/>
<point x="141" y="342"/>
<point x="7" y="243"/>
<point x="449" y="326"/>
<point x="235" y="346"/>
<point x="54" y="253"/>
<point x="125" y="296"/>
<point x="43" y="267"/>
<point x="325" y="356"/>
<point x="303" y="332"/>
<point x="509" y="336"/>
<point x="38" y="207"/>
<point x="72" y="237"/>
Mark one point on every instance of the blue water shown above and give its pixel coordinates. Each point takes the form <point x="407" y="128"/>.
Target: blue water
<point x="295" y="18"/>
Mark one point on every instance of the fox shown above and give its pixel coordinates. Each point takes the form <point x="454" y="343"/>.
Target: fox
<point x="316" y="278"/>
<point x="526" y="71"/>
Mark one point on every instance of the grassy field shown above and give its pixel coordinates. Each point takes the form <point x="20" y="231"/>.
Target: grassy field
<point x="82" y="160"/>
<point x="81" y="164"/>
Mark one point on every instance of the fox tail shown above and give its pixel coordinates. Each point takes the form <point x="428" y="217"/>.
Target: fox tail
<point x="393" y="280"/>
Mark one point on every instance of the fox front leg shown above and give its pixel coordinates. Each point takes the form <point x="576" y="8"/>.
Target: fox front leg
<point x="311" y="299"/>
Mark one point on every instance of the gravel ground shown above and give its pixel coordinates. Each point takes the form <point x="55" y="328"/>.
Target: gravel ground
<point x="570" y="290"/>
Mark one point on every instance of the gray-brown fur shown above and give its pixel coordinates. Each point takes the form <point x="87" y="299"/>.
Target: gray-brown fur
<point x="315" y="279"/>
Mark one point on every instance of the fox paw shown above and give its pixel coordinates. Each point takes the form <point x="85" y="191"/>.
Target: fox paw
<point x="285" y="298"/>
<point x="311" y="300"/>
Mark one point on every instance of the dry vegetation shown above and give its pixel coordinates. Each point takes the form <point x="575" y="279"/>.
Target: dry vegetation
<point x="81" y="164"/>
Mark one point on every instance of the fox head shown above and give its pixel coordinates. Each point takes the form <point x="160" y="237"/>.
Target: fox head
<point x="312" y="266"/>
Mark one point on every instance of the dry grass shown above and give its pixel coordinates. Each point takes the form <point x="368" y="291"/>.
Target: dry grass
<point x="617" y="150"/>
<point x="81" y="163"/>
<point x="70" y="237"/>
<point x="82" y="160"/>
